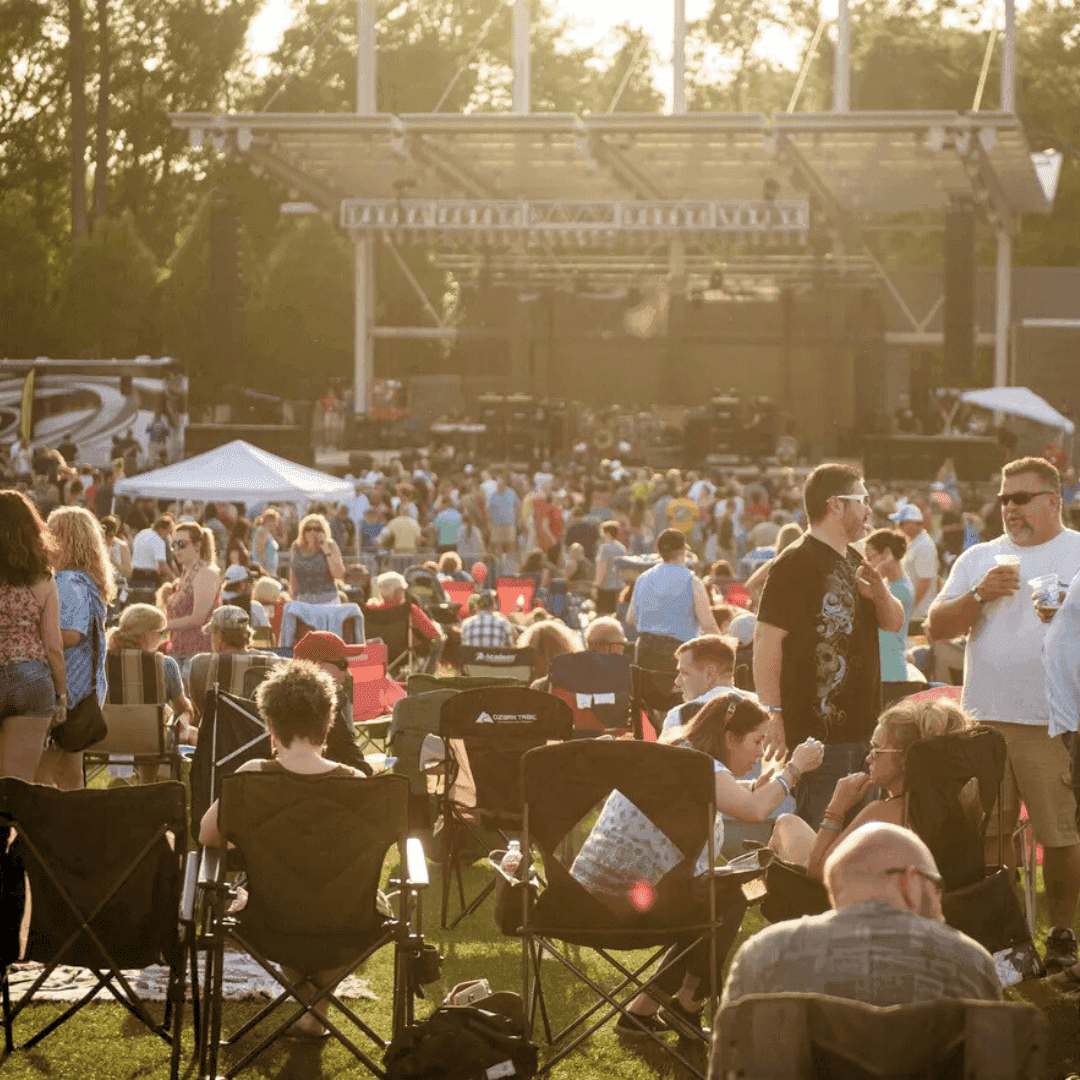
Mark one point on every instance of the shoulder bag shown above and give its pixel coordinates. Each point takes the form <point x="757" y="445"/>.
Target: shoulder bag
<point x="85" y="724"/>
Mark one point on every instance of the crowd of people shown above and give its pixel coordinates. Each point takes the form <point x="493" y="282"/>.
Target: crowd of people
<point x="783" y="612"/>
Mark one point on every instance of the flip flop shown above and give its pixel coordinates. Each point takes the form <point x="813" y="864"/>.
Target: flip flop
<point x="300" y="1035"/>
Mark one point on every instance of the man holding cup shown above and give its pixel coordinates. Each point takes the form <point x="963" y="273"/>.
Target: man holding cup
<point x="1003" y="675"/>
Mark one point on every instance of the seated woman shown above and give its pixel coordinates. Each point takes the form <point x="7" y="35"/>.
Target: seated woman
<point x="898" y="729"/>
<point x="550" y="638"/>
<point x="297" y="702"/>
<point x="731" y="730"/>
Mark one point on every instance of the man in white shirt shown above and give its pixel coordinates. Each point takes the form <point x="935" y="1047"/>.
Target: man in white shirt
<point x="150" y="554"/>
<point x="920" y="562"/>
<point x="706" y="668"/>
<point x="1004" y="684"/>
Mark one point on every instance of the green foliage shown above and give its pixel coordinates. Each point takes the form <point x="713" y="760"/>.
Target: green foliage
<point x="107" y="295"/>
<point x="24" y="278"/>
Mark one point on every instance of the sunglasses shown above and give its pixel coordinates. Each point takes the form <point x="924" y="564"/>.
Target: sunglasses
<point x="1020" y="498"/>
<point x="179" y="545"/>
<point x="875" y="750"/>
<point x="315" y="529"/>
<point x="863" y="500"/>
<point x="926" y="875"/>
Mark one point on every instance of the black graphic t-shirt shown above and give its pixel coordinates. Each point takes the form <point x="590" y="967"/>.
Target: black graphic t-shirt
<point x="830" y="684"/>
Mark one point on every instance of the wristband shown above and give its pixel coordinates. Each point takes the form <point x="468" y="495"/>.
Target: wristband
<point x="831" y="826"/>
<point x="779" y="778"/>
<point x="772" y="708"/>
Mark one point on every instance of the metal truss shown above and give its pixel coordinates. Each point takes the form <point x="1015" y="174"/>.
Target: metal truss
<point x="574" y="222"/>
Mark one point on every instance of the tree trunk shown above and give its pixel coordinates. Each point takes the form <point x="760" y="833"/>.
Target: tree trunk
<point x="77" y="82"/>
<point x="101" y="141"/>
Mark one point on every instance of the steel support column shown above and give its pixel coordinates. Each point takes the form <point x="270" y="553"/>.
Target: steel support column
<point x="522" y="57"/>
<point x="364" y="315"/>
<point x="842" y="60"/>
<point x="1003" y="308"/>
<point x="1008" y="60"/>
<point x="678" y="60"/>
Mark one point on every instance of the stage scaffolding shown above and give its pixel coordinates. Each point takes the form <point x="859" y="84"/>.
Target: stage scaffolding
<point x="548" y="199"/>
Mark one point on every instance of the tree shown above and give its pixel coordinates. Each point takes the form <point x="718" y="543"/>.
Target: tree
<point x="77" y="130"/>
<point x="24" y="278"/>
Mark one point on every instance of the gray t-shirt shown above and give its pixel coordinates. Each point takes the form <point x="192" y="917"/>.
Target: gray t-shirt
<point x="609" y="552"/>
<point x="871" y="952"/>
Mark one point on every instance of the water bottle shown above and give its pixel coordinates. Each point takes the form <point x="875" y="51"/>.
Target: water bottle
<point x="512" y="859"/>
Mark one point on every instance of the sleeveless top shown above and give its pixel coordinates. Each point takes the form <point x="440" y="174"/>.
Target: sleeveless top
<point x="192" y="640"/>
<point x="664" y="602"/>
<point x="272" y="765"/>
<point x="20" y="625"/>
<point x="312" y="576"/>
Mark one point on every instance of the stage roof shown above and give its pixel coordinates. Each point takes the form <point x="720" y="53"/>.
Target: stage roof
<point x="868" y="163"/>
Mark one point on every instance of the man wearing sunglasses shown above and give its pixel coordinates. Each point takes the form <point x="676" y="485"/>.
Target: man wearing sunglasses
<point x="817" y="664"/>
<point x="1004" y="685"/>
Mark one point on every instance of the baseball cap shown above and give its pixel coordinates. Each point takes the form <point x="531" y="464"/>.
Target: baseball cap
<point x="235" y="573"/>
<point x="319" y="645"/>
<point x="229" y="617"/>
<point x="907" y="513"/>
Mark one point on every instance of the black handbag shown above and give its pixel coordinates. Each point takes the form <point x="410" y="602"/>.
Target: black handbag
<point x="84" y="724"/>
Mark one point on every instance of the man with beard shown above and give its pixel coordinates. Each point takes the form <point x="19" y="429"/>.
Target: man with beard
<point x="986" y="598"/>
<point x="817" y="665"/>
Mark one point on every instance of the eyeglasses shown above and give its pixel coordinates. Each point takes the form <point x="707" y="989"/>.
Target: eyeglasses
<point x="875" y="750"/>
<point x="1020" y="498"/>
<point x="927" y="875"/>
<point x="315" y="528"/>
<point x="179" y="545"/>
<point x="862" y="500"/>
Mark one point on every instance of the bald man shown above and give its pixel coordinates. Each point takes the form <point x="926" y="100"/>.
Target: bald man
<point x="884" y="943"/>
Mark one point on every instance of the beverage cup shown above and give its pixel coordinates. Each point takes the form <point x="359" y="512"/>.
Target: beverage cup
<point x="1046" y="590"/>
<point x="1012" y="561"/>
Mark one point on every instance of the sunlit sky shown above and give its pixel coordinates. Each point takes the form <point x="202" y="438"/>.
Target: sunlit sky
<point x="591" y="22"/>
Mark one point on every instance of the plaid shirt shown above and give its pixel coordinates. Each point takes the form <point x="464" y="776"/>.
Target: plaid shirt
<point x="486" y="628"/>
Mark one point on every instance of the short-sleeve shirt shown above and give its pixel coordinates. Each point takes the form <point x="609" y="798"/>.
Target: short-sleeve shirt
<point x="502" y="507"/>
<point x="80" y="607"/>
<point x="921" y="563"/>
<point x="830" y="680"/>
<point x="147" y="550"/>
<point x="681" y="514"/>
<point x="894" y="643"/>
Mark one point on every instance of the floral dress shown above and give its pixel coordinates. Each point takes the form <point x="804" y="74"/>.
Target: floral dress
<point x="191" y="640"/>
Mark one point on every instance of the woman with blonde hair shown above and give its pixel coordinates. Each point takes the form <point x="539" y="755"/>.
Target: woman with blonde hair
<point x="550" y="638"/>
<point x="898" y="730"/>
<point x="315" y="563"/>
<point x="86" y="586"/>
<point x="264" y="543"/>
<point x="190" y="602"/>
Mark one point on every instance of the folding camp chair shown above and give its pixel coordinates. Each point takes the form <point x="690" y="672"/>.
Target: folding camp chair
<point x="111" y="888"/>
<point x="458" y="592"/>
<point x="669" y="792"/>
<point x="484" y="660"/>
<point x="806" y="1036"/>
<point x="414" y="718"/>
<point x="654" y="694"/>
<point x="231" y="733"/>
<point x="598" y="688"/>
<point x="486" y="733"/>
<point x="134" y="710"/>
<point x="422" y="683"/>
<point x="511" y="590"/>
<point x="313" y="850"/>
<point x="392" y="626"/>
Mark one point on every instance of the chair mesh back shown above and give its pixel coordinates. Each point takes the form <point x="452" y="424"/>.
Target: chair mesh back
<point x="135" y="677"/>
<point x="493" y="728"/>
<point x="231" y="733"/>
<point x="586" y="680"/>
<point x="420" y="683"/>
<point x="655" y="689"/>
<point x="314" y="849"/>
<point x="951" y="785"/>
<point x="670" y="791"/>
<point x="391" y="624"/>
<point x="230" y="671"/>
<point x="89" y="840"/>
<point x="414" y="717"/>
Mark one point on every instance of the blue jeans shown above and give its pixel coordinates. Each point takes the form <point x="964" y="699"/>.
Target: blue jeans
<point x="816" y="788"/>
<point x="26" y="689"/>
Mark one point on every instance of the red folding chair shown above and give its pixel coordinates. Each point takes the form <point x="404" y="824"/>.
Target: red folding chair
<point x="276" y="614"/>
<point x="458" y="592"/>
<point x="509" y="589"/>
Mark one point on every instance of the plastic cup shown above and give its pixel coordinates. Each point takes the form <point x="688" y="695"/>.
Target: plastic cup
<point x="1008" y="560"/>
<point x="1048" y="591"/>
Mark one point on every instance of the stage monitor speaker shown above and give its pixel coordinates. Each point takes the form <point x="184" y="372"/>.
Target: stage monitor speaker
<point x="961" y="267"/>
<point x="919" y="457"/>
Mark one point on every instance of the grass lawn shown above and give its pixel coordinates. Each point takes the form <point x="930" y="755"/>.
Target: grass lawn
<point x="105" y="1042"/>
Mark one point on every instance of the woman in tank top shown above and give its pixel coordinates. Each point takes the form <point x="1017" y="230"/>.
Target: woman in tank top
<point x="33" y="677"/>
<point x="297" y="701"/>
<point x="315" y="563"/>
<point x="195" y="594"/>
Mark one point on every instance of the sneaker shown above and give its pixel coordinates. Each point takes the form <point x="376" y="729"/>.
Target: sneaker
<point x="1060" y="948"/>
<point x="627" y="1029"/>
<point x="682" y="1020"/>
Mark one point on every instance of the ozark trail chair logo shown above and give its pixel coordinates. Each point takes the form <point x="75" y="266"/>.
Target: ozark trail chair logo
<point x="507" y="718"/>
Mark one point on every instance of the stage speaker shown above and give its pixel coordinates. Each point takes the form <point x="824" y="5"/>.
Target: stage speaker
<point x="961" y="265"/>
<point x="697" y="435"/>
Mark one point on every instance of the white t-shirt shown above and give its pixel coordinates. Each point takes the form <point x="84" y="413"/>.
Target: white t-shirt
<point x="1061" y="664"/>
<point x="920" y="562"/>
<point x="147" y="550"/>
<point x="1003" y="672"/>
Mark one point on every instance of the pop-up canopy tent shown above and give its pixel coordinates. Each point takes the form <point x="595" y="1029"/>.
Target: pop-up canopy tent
<point x="236" y="472"/>
<point x="1021" y="402"/>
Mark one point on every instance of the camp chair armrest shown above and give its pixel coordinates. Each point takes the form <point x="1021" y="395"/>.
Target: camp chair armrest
<point x="191" y="879"/>
<point x="212" y="868"/>
<point x="416" y="869"/>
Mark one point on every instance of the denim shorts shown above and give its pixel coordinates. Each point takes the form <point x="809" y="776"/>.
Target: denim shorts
<point x="26" y="689"/>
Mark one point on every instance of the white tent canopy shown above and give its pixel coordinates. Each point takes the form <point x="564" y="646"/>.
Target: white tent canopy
<point x="237" y="472"/>
<point x="1019" y="401"/>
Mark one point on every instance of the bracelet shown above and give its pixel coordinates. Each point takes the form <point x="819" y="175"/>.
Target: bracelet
<point x="796" y="772"/>
<point x="836" y="815"/>
<point x="831" y="826"/>
<point x="779" y="778"/>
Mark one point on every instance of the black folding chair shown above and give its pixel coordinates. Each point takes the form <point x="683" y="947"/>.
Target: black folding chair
<point x="486" y="733"/>
<point x="414" y="718"/>
<point x="598" y="688"/>
<point x="654" y="694"/>
<point x="313" y="849"/>
<point x="231" y="733"/>
<point x="807" y="1036"/>
<point x="392" y="625"/>
<point x="111" y="887"/>
<point x="492" y="661"/>
<point x="671" y="793"/>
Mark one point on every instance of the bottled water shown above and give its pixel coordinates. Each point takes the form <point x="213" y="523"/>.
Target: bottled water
<point x="512" y="859"/>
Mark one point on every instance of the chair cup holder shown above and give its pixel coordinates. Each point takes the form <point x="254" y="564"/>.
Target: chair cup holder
<point x="426" y="965"/>
<point x="508" y="895"/>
